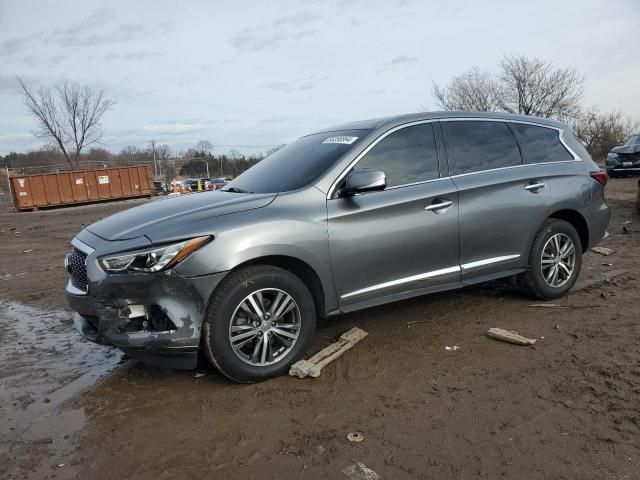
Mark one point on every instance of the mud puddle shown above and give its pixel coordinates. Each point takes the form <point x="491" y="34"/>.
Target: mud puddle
<point x="44" y="365"/>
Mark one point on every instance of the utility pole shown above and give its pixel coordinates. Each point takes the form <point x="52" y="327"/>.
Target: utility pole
<point x="207" y="165"/>
<point x="155" y="165"/>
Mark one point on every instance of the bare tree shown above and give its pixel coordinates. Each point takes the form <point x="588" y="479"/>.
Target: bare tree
<point x="68" y="116"/>
<point x="204" y="147"/>
<point x="531" y="86"/>
<point x="527" y="86"/>
<point x="474" y="90"/>
<point x="602" y="131"/>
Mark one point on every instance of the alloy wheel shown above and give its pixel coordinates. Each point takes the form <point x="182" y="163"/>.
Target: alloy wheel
<point x="558" y="260"/>
<point x="265" y="327"/>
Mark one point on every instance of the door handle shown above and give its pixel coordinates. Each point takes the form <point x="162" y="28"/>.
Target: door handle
<point x="535" y="186"/>
<point x="434" y="207"/>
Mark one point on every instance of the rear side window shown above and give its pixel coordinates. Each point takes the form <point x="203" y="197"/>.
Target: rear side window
<point x="473" y="146"/>
<point x="408" y="155"/>
<point x="540" y="144"/>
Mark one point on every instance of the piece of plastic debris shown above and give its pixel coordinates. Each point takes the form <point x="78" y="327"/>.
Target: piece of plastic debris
<point x="359" y="471"/>
<point x="608" y="264"/>
<point x="199" y="374"/>
<point x="355" y="437"/>
<point x="27" y="251"/>
<point x="509" y="336"/>
<point x="454" y="348"/>
<point x="603" y="251"/>
<point x="313" y="366"/>
<point x="60" y="465"/>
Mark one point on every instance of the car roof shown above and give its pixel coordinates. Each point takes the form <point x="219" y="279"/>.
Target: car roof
<point x="394" y="120"/>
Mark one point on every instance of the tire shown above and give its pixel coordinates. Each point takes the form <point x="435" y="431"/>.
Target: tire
<point x="533" y="281"/>
<point x="638" y="199"/>
<point x="233" y="311"/>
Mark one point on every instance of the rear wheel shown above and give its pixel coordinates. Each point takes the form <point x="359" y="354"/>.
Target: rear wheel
<point x="555" y="260"/>
<point x="638" y="198"/>
<point x="260" y="320"/>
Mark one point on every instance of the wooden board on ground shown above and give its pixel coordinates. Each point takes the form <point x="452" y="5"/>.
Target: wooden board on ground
<point x="509" y="336"/>
<point x="603" y="251"/>
<point x="313" y="366"/>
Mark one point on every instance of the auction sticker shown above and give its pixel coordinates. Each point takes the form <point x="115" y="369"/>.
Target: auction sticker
<point x="344" y="139"/>
<point x="102" y="179"/>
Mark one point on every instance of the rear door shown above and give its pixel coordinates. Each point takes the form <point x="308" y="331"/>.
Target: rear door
<point x="502" y="202"/>
<point x="402" y="239"/>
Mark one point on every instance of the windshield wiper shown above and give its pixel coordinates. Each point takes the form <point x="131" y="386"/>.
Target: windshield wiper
<point x="235" y="190"/>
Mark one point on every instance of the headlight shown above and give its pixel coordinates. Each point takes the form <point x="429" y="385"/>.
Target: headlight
<point x="153" y="259"/>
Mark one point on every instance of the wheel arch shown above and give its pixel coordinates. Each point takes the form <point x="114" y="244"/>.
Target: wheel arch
<point x="299" y="268"/>
<point x="577" y="220"/>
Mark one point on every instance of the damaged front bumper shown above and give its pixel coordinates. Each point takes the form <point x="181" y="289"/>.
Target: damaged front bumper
<point x="156" y="318"/>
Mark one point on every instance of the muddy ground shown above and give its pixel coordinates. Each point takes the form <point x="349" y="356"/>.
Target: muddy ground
<point x="566" y="408"/>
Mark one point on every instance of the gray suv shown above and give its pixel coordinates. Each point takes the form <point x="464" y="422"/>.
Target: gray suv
<point x="340" y="220"/>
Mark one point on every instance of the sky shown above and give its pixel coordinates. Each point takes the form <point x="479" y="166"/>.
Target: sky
<point x="249" y="75"/>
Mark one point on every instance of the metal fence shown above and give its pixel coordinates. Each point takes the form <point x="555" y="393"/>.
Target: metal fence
<point x="5" y="188"/>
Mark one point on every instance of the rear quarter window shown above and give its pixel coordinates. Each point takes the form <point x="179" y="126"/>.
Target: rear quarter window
<point x="540" y="144"/>
<point x="474" y="146"/>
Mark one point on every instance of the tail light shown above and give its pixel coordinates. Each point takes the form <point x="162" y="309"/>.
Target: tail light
<point x="600" y="176"/>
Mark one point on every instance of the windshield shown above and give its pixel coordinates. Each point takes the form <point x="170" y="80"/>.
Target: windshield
<point x="297" y="164"/>
<point x="634" y="140"/>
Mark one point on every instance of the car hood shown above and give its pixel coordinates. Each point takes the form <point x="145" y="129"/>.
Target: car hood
<point x="626" y="149"/>
<point x="162" y="214"/>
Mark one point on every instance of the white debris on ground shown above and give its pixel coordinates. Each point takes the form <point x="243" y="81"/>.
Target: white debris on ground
<point x="509" y="336"/>
<point x="355" y="437"/>
<point x="359" y="471"/>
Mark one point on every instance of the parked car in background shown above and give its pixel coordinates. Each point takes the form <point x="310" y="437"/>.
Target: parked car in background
<point x="218" y="183"/>
<point x="340" y="220"/>
<point x="159" y="188"/>
<point x="625" y="159"/>
<point x="191" y="184"/>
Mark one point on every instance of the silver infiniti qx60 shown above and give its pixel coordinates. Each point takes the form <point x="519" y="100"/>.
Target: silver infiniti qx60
<point x="343" y="219"/>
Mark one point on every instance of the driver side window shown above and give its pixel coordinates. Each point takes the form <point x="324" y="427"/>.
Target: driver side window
<point x="408" y="155"/>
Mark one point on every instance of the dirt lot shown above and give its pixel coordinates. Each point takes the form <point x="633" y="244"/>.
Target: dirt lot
<point x="566" y="408"/>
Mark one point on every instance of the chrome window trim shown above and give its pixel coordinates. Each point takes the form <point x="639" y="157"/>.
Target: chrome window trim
<point x="416" y="183"/>
<point x="576" y="157"/>
<point x="435" y="273"/>
<point x="83" y="247"/>
<point x="510" y="167"/>
<point x="400" y="281"/>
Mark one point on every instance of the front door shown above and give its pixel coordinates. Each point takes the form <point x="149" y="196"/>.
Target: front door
<point x="404" y="239"/>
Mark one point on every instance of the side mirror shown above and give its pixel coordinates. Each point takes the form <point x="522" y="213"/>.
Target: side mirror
<point x="360" y="181"/>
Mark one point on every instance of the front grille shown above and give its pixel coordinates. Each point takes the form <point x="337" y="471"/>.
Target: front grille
<point x="78" y="269"/>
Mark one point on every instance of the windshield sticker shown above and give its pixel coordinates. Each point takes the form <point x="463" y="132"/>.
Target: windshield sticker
<point x="344" y="139"/>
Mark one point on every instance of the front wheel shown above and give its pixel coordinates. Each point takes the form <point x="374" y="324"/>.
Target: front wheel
<point x="260" y="320"/>
<point x="555" y="260"/>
